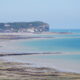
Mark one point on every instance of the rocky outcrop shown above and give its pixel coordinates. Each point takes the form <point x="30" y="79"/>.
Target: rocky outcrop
<point x="36" y="26"/>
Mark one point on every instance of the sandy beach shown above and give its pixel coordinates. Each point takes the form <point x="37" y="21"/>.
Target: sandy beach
<point x="25" y="71"/>
<point x="21" y="71"/>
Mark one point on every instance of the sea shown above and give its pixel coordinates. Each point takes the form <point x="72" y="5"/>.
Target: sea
<point x="58" y="43"/>
<point x="65" y="30"/>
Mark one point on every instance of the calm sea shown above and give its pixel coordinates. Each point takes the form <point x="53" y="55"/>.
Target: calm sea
<point x="52" y="45"/>
<point x="65" y="30"/>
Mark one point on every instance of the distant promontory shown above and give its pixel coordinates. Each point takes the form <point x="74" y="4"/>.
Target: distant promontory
<point x="36" y="26"/>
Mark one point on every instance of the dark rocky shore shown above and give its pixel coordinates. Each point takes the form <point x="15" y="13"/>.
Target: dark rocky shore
<point x="16" y="54"/>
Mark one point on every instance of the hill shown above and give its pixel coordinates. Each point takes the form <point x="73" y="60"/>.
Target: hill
<point x="36" y="26"/>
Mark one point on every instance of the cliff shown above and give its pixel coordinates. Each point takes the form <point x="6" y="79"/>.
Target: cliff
<point x="37" y="26"/>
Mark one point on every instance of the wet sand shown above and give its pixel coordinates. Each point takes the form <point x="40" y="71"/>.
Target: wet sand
<point x="18" y="71"/>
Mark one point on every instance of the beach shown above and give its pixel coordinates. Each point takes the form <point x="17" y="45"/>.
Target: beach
<point x="12" y="68"/>
<point x="22" y="71"/>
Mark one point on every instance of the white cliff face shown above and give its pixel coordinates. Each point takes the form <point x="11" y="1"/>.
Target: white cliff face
<point x="6" y="25"/>
<point x="31" y="30"/>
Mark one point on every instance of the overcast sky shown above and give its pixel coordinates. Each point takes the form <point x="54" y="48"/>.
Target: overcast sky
<point x="58" y="13"/>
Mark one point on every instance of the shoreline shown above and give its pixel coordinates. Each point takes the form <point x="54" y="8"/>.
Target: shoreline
<point x="37" y="53"/>
<point x="5" y="56"/>
<point x="42" y="33"/>
<point x="4" y="44"/>
<point x="26" y="36"/>
<point x="19" y="71"/>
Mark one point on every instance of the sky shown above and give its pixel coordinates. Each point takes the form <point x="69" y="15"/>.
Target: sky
<point x="57" y="13"/>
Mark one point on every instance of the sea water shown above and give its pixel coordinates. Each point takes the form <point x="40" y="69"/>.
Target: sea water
<point x="65" y="30"/>
<point x="53" y="45"/>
